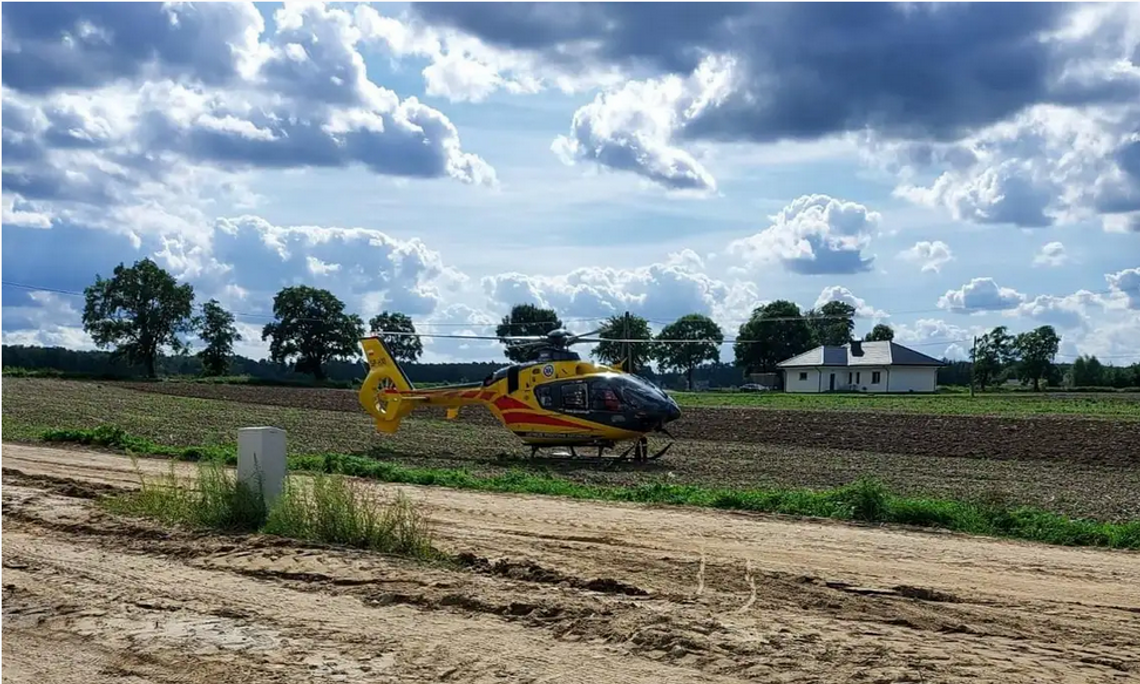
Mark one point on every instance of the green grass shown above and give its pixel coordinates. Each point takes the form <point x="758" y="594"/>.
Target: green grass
<point x="863" y="500"/>
<point x="324" y="508"/>
<point x="1106" y="405"/>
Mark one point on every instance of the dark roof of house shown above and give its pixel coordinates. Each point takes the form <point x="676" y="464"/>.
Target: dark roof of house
<point x="861" y="354"/>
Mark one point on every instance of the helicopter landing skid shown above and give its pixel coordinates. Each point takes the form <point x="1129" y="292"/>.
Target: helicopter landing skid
<point x="640" y="449"/>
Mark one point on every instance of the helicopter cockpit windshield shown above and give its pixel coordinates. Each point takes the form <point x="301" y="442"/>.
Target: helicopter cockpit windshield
<point x="640" y="394"/>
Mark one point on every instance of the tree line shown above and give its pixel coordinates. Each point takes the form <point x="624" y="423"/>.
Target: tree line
<point x="141" y="311"/>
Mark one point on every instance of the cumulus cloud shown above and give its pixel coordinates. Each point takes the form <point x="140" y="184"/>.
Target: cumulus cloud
<point x="660" y="292"/>
<point x="166" y="86"/>
<point x="1046" y="165"/>
<point x="783" y="87"/>
<point x="1127" y="284"/>
<point x="46" y="319"/>
<point x="935" y="337"/>
<point x="464" y="68"/>
<point x="980" y="295"/>
<point x="815" y="234"/>
<point x="1051" y="254"/>
<point x="931" y="255"/>
<point x="368" y="268"/>
<point x="842" y="294"/>
<point x="1070" y="311"/>
<point x="632" y="128"/>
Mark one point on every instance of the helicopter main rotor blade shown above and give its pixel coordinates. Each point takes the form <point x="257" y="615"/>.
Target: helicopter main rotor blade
<point x="580" y="338"/>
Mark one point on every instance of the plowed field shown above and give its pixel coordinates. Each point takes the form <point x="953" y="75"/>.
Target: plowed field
<point x="1067" y="438"/>
<point x="1096" y="475"/>
<point x="549" y="590"/>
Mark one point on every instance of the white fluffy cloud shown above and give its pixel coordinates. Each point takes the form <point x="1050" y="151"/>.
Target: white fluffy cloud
<point x="101" y="119"/>
<point x="1047" y="165"/>
<point x="815" y="234"/>
<point x="368" y="268"/>
<point x="842" y="294"/>
<point x="980" y="295"/>
<point x="931" y="255"/>
<point x="631" y="128"/>
<point x="1051" y="254"/>
<point x="49" y="320"/>
<point x="1127" y="284"/>
<point x="660" y="292"/>
<point x="936" y="337"/>
<point x="1072" y="311"/>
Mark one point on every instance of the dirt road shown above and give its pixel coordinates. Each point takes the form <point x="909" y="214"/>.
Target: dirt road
<point x="555" y="591"/>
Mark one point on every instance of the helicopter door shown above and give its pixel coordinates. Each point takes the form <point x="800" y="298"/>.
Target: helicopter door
<point x="513" y="380"/>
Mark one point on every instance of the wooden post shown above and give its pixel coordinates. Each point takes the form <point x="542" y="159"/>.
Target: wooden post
<point x="973" y="362"/>
<point x="261" y="461"/>
<point x="628" y="348"/>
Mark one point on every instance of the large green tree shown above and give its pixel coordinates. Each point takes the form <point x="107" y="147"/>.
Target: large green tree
<point x="706" y="338"/>
<point x="139" y="310"/>
<point x="880" y="333"/>
<point x="403" y="347"/>
<point x="832" y="323"/>
<point x="311" y="326"/>
<point x="617" y="328"/>
<point x="217" y="330"/>
<point x="993" y="355"/>
<point x="1036" y="350"/>
<point x="775" y="332"/>
<point x="525" y="320"/>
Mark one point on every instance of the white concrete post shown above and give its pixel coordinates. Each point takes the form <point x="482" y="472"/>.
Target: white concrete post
<point x="261" y="460"/>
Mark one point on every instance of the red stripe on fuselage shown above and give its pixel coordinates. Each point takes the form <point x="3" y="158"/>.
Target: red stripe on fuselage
<point x="506" y="403"/>
<point x="539" y="419"/>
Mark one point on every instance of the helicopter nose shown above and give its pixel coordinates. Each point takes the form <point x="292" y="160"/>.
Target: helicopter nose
<point x="672" y="412"/>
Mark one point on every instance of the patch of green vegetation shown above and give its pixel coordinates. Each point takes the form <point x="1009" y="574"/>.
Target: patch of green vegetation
<point x="864" y="500"/>
<point x="1115" y="405"/>
<point x="324" y="508"/>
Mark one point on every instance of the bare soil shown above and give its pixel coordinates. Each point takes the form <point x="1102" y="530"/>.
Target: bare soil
<point x="1093" y="441"/>
<point x="1072" y="484"/>
<point x="549" y="590"/>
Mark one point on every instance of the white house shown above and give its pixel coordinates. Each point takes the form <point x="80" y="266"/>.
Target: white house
<point x="861" y="367"/>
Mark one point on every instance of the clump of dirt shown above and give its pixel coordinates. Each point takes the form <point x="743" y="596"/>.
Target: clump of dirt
<point x="532" y="572"/>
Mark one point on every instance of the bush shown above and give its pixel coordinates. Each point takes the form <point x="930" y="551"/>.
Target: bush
<point x="329" y="508"/>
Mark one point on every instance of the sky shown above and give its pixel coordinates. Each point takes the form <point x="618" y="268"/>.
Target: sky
<point x="945" y="168"/>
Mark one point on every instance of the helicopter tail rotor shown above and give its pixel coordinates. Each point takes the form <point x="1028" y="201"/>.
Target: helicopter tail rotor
<point x="380" y="393"/>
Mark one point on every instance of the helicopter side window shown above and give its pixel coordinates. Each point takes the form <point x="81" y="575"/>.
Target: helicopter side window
<point x="574" y="396"/>
<point x="604" y="399"/>
<point x="544" y="396"/>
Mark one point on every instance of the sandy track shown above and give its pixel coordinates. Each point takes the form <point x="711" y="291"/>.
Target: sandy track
<point x="833" y="602"/>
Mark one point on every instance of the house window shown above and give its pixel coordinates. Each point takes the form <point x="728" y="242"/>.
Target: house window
<point x="803" y="375"/>
<point x="850" y="377"/>
<point x="858" y="378"/>
<point x="875" y="376"/>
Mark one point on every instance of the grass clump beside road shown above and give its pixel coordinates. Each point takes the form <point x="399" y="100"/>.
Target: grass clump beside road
<point x="323" y="508"/>
<point x="865" y="500"/>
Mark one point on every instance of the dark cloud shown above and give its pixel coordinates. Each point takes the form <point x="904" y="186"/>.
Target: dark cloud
<point x="807" y="70"/>
<point x="63" y="45"/>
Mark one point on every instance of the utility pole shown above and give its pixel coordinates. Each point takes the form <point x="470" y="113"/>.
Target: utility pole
<point x="973" y="362"/>
<point x="628" y="348"/>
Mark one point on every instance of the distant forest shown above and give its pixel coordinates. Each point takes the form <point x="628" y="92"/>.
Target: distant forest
<point x="99" y="364"/>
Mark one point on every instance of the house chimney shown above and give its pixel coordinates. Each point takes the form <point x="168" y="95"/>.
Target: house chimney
<point x="856" y="347"/>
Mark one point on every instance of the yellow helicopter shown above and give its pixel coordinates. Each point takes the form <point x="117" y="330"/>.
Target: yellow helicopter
<point x="555" y="401"/>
